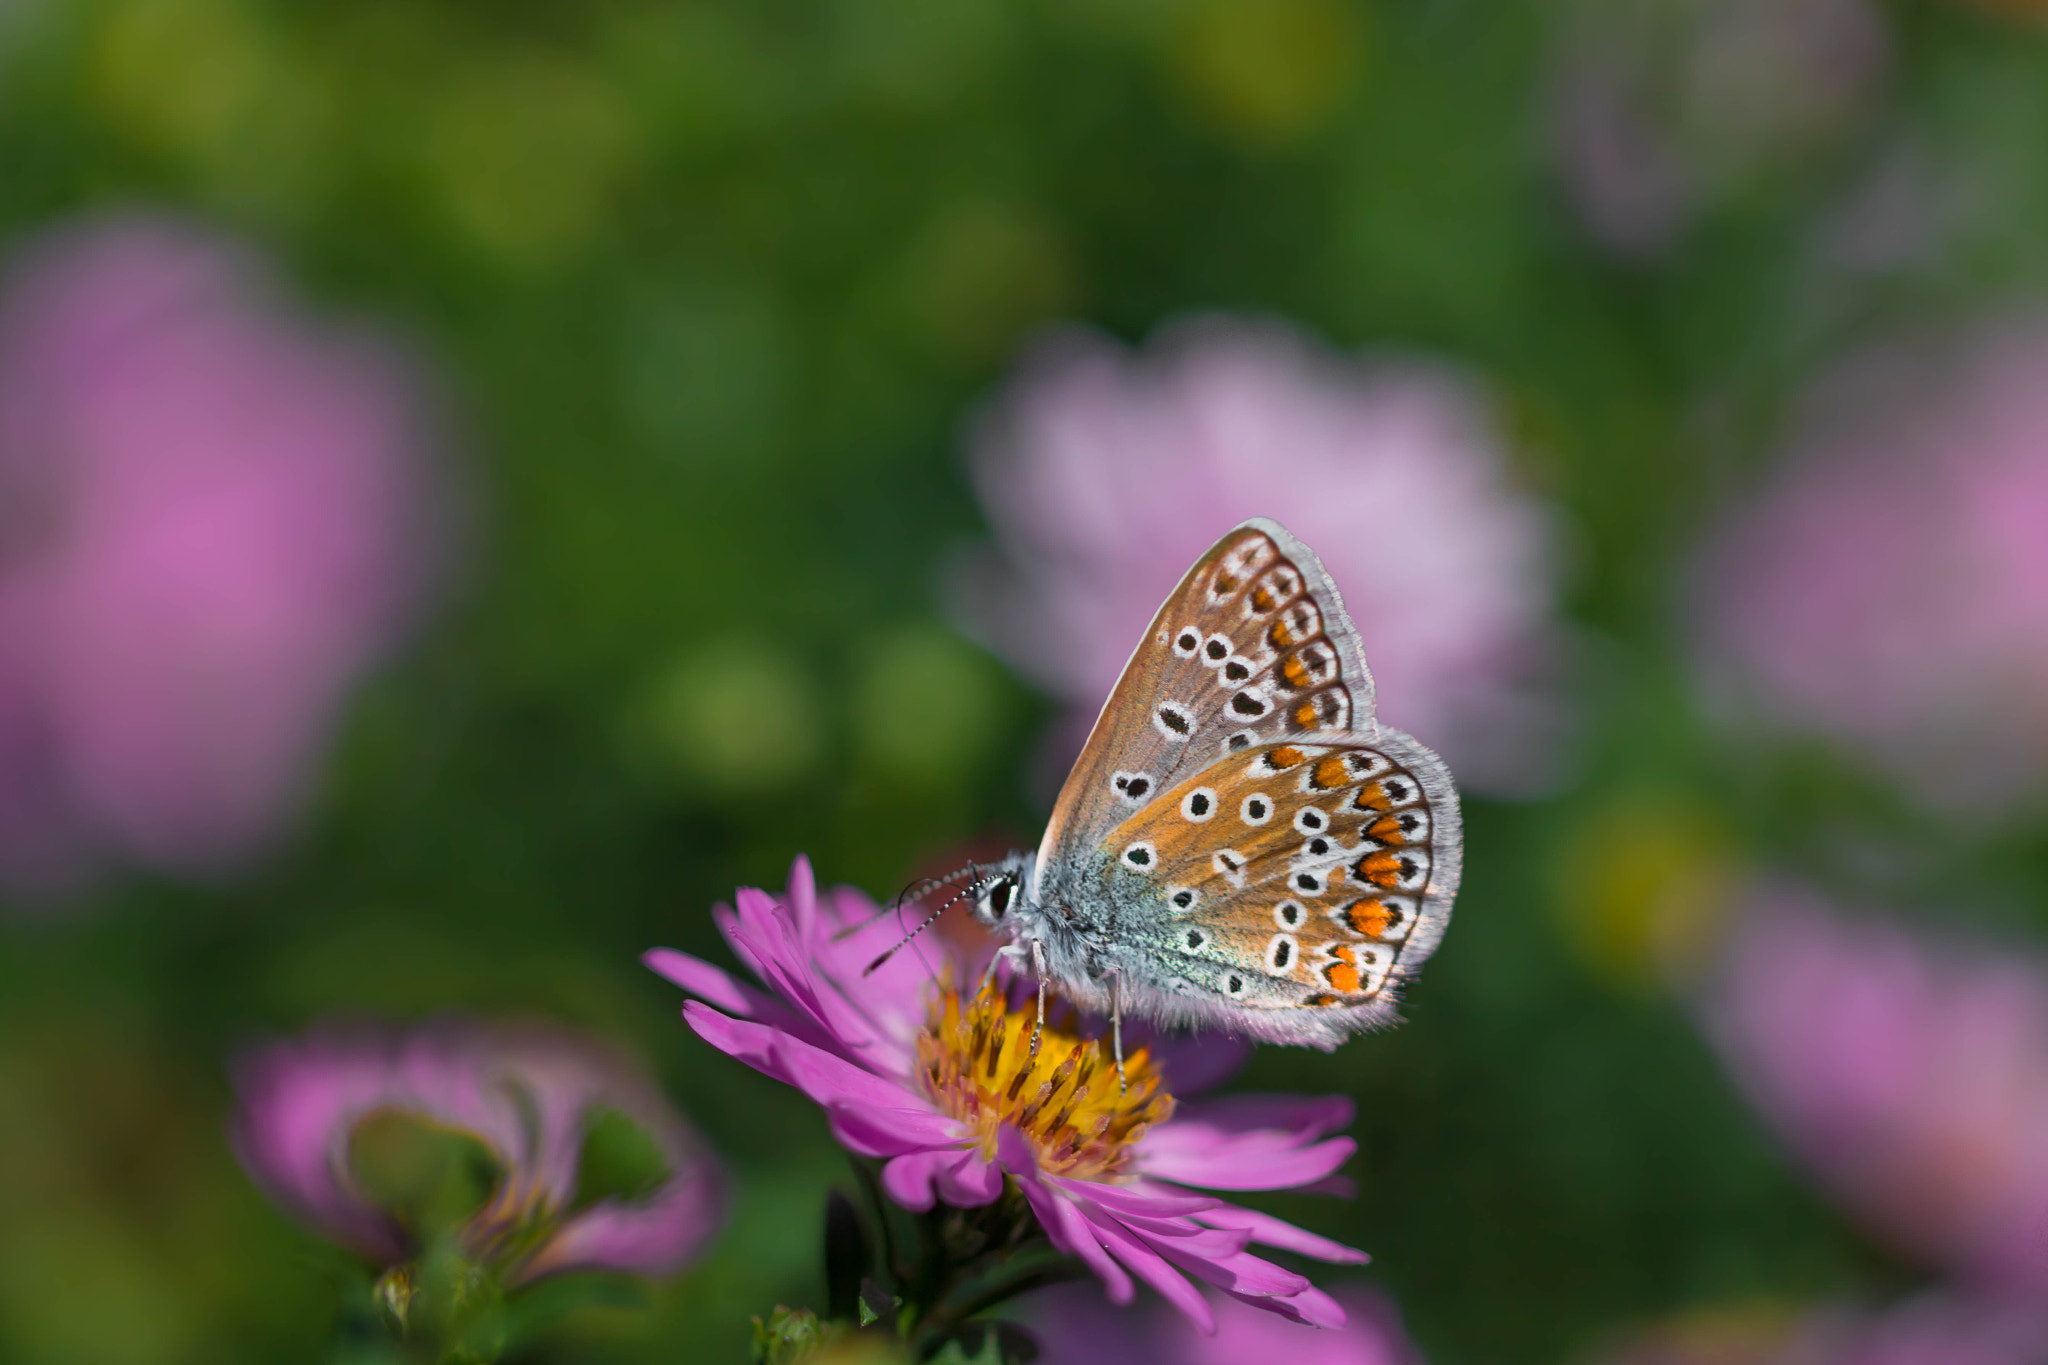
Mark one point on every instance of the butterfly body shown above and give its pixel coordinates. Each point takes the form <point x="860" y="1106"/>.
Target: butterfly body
<point x="1240" y="843"/>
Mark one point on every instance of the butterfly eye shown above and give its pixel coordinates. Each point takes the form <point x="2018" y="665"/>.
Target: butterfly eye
<point x="999" y="898"/>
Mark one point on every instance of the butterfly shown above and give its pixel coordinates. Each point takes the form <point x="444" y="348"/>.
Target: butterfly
<point x="1240" y="844"/>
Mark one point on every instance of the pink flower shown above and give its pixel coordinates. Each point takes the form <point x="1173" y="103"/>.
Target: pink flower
<point x="947" y="1092"/>
<point x="1888" y="589"/>
<point x="1074" y="1329"/>
<point x="1106" y="474"/>
<point x="1662" y="107"/>
<point x="528" y="1095"/>
<point x="211" y="523"/>
<point x="1911" y="1079"/>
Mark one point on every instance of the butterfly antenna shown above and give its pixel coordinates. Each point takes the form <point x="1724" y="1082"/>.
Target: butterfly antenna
<point x="921" y="886"/>
<point x="923" y="925"/>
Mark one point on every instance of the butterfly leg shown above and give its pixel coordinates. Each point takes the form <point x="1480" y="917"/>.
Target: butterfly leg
<point x="1038" y="970"/>
<point x="1009" y="952"/>
<point x="1116" y="1028"/>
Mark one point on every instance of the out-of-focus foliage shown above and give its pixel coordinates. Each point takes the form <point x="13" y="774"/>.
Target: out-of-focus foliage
<point x="710" y="290"/>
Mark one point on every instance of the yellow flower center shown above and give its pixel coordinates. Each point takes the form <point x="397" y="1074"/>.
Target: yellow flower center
<point x="976" y="1060"/>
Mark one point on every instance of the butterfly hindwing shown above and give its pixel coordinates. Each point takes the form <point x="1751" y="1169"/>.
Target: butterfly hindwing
<point x="1310" y="876"/>
<point x="1253" y="645"/>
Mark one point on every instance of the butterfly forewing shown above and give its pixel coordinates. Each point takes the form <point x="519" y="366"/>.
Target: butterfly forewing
<point x="1253" y="645"/>
<point x="1312" y="873"/>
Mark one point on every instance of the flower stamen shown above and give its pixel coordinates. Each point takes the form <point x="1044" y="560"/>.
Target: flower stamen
<point x="991" y="1064"/>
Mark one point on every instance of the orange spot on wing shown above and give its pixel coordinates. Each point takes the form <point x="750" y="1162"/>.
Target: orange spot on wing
<point x="1306" y="716"/>
<point x="1280" y="636"/>
<point x="1227" y="583"/>
<point x="1286" y="756"/>
<point x="1294" y="671"/>
<point x="1381" y="869"/>
<point x="1372" y="796"/>
<point x="1263" y="601"/>
<point x="1331" y="772"/>
<point x="1387" y="829"/>
<point x="1343" y="973"/>
<point x="1323" y="1002"/>
<point x="1369" y="917"/>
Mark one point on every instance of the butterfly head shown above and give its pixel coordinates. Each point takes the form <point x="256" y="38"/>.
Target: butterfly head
<point x="1001" y="890"/>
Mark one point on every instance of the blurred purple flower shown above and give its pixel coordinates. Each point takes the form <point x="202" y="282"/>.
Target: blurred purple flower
<point x="1106" y="473"/>
<point x="528" y="1095"/>
<point x="213" y="519"/>
<point x="1889" y="589"/>
<point x="1660" y="106"/>
<point x="1911" y="1079"/>
<point x="1074" y="1328"/>
<point x="950" y="1095"/>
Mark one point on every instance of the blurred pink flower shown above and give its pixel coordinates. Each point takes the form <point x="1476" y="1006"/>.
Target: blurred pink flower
<point x="528" y="1095"/>
<point x="1660" y="106"/>
<point x="1078" y="1328"/>
<point x="1937" y="1328"/>
<point x="1889" y="589"/>
<point x="1106" y="473"/>
<point x="212" y="521"/>
<point x="1910" y="1078"/>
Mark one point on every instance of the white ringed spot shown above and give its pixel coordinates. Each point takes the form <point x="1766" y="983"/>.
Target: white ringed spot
<point x="1140" y="857"/>
<point x="1174" y="720"/>
<point x="1281" y="953"/>
<point x="1255" y="809"/>
<point x="1133" y="789"/>
<point x="1198" y="805"/>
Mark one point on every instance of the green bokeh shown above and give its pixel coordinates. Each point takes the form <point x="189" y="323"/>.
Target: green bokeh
<point x="714" y="287"/>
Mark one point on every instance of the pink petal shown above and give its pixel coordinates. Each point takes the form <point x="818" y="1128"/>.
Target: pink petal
<point x="971" y="1181"/>
<point x="1150" y="1267"/>
<point x="1303" y="1116"/>
<point x="1243" y="1273"/>
<point x="1063" y="1224"/>
<point x="710" y="984"/>
<point x="1270" y="1231"/>
<point x="825" y="1078"/>
<point x="1254" y="1161"/>
<point x="1148" y="1200"/>
<point x="1311" y="1307"/>
<point x="909" y="1178"/>
<point x="868" y="1130"/>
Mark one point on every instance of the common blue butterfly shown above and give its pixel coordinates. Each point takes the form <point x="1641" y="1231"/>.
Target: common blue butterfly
<point x="1240" y="842"/>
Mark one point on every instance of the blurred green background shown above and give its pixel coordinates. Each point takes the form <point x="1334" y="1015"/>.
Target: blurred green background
<point x="711" y="288"/>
